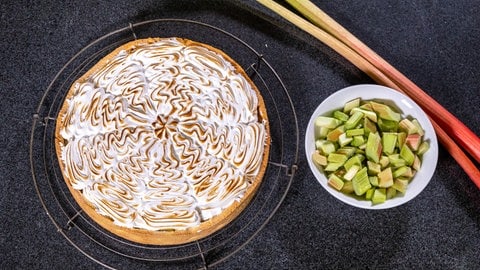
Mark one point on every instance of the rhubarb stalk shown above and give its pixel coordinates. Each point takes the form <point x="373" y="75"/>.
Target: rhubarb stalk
<point x="382" y="72"/>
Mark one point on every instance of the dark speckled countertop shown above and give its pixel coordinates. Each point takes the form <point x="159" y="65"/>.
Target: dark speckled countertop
<point x="434" y="43"/>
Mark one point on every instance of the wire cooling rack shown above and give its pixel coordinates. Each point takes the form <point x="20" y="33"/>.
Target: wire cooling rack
<point x="114" y="252"/>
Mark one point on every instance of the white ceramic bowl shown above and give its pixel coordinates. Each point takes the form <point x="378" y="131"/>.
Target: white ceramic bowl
<point x="407" y="107"/>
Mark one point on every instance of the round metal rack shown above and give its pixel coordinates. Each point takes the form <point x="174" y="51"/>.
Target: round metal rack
<point x="114" y="252"/>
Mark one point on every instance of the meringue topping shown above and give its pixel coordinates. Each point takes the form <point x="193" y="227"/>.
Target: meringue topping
<point x="164" y="136"/>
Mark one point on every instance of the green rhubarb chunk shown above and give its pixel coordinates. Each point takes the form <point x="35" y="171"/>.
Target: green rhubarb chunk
<point x="401" y="138"/>
<point x="373" y="168"/>
<point x="423" y="148"/>
<point x="337" y="158"/>
<point x="404" y="170"/>
<point x="374" y="147"/>
<point x="407" y="126"/>
<point x="354" y="120"/>
<point x="318" y="159"/>
<point x="385" y="178"/>
<point x="355" y="160"/>
<point x="321" y="132"/>
<point x="400" y="185"/>
<point x="384" y="161"/>
<point x="332" y="166"/>
<point x="385" y="112"/>
<point x="373" y="180"/>
<point x="407" y="155"/>
<point x="396" y="161"/>
<point x="371" y="115"/>
<point x="360" y="182"/>
<point x="387" y="125"/>
<point x="357" y="141"/>
<point x="355" y="132"/>
<point x="327" y="122"/>
<point x="369" y="126"/>
<point x="351" y="172"/>
<point x="333" y="134"/>
<point x="420" y="130"/>
<point x="366" y="106"/>
<point x="389" y="142"/>
<point x="340" y="116"/>
<point x="335" y="181"/>
<point x="347" y="151"/>
<point x="351" y="104"/>
<point x="417" y="163"/>
<point x="379" y="196"/>
<point x="391" y="192"/>
<point x="327" y="147"/>
<point x="369" y="193"/>
<point x="343" y="140"/>
<point x="347" y="187"/>
<point x="318" y="144"/>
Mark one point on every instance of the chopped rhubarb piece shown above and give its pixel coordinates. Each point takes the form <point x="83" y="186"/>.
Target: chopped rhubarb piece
<point x="424" y="146"/>
<point x="385" y="178"/>
<point x="384" y="161"/>
<point x="391" y="192"/>
<point x="343" y="140"/>
<point x="340" y="116"/>
<point x="401" y="138"/>
<point x="407" y="155"/>
<point x="354" y="120"/>
<point x="374" y="147"/>
<point x="335" y="133"/>
<point x="337" y="158"/>
<point x="318" y="159"/>
<point x="369" y="126"/>
<point x="379" y="196"/>
<point x="357" y="141"/>
<point x="347" y="187"/>
<point x="351" y="172"/>
<point x="420" y="130"/>
<point x="373" y="168"/>
<point x="404" y="170"/>
<point x="360" y="182"/>
<point x="347" y="151"/>
<point x="413" y="141"/>
<point x="369" y="193"/>
<point x="400" y="185"/>
<point x="355" y="160"/>
<point x="368" y="114"/>
<point x="355" y="132"/>
<point x="335" y="181"/>
<point x="389" y="142"/>
<point x="407" y="126"/>
<point x="328" y="122"/>
<point x="385" y="112"/>
<point x="387" y="125"/>
<point x="417" y="163"/>
<point x="373" y="180"/>
<point x="327" y="147"/>
<point x="351" y="104"/>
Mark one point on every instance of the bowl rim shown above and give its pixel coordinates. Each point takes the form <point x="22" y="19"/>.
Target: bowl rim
<point x="376" y="92"/>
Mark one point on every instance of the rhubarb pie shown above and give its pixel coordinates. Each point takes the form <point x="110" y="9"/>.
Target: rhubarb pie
<point x="164" y="141"/>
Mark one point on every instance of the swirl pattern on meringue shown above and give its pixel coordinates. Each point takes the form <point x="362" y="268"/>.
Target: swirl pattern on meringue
<point x="163" y="136"/>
